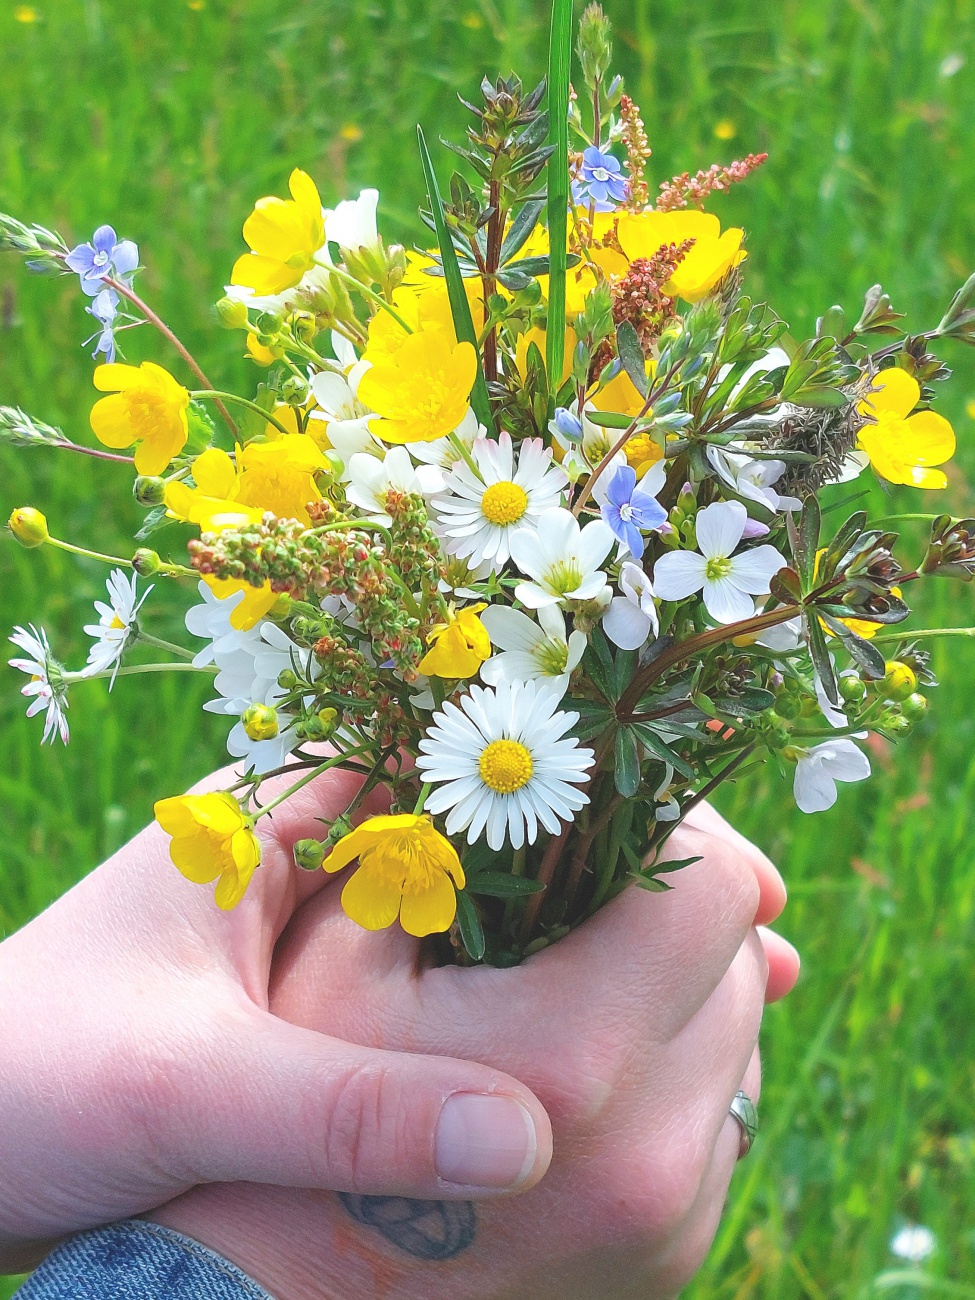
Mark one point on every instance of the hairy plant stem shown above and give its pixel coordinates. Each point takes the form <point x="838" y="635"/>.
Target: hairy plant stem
<point x="492" y="260"/>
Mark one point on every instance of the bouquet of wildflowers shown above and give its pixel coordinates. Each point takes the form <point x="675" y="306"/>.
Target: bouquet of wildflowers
<point x="521" y="526"/>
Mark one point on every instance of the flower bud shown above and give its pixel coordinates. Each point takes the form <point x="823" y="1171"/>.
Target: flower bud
<point x="594" y="46"/>
<point x="787" y="705"/>
<point x="899" y="681"/>
<point x="260" y="721"/>
<point x="149" y="490"/>
<point x="287" y="679"/>
<point x="281" y="607"/>
<point x="295" y="390"/>
<point x="146" y="562"/>
<point x="339" y="828"/>
<point x="309" y="854"/>
<point x="567" y="424"/>
<point x="851" y="688"/>
<point x="29" y="526"/>
<point x="231" y="313"/>
<point x="268" y="323"/>
<point x="914" y="707"/>
<point x="897" y="724"/>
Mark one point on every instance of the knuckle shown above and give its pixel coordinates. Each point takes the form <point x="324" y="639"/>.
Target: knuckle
<point x="652" y="1194"/>
<point x="369" y="1128"/>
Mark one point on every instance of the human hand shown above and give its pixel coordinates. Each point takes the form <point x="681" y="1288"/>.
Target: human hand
<point x="140" y="1058"/>
<point x="635" y="1031"/>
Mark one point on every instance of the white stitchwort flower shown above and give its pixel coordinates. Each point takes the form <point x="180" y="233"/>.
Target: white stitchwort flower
<point x="819" y="768"/>
<point x="346" y="420"/>
<point x="530" y="651"/>
<point x="729" y="581"/>
<point x="561" y="559"/>
<point x="352" y="224"/>
<point x="913" y="1242"/>
<point x="632" y="619"/>
<point x="506" y="764"/>
<point x="478" y="516"/>
<point x="46" y="683"/>
<point x="371" y="478"/>
<point x="116" y="625"/>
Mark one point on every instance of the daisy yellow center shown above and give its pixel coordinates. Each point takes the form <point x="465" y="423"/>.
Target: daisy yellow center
<point x="716" y="568"/>
<point x="116" y="623"/>
<point x="504" y="503"/>
<point x="505" y="766"/>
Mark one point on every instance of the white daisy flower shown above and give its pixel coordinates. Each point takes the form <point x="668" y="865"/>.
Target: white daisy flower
<point x="531" y="651"/>
<point x="46" y="683"/>
<point x="913" y="1242"/>
<point x="819" y="768"/>
<point x="729" y="581"/>
<point x="252" y="677"/>
<point x="352" y="224"/>
<point x="631" y="619"/>
<point x="506" y="764"/>
<point x="752" y="479"/>
<point x="478" y="516"/>
<point x="561" y="558"/>
<point x="210" y="621"/>
<point x="116" y="625"/>
<point x="370" y="479"/>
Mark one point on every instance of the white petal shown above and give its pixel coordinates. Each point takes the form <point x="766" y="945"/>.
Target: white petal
<point x="752" y="571"/>
<point x="812" y="786"/>
<point x="626" y="625"/>
<point x="679" y="574"/>
<point x="510" y="629"/>
<point x="844" y="761"/>
<point x="719" y="528"/>
<point x="725" y="602"/>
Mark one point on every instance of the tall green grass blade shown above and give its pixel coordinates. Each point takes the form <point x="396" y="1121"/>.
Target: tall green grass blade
<point x="559" y="59"/>
<point x="460" y="308"/>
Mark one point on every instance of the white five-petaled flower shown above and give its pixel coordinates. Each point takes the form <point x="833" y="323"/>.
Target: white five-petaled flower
<point x="46" y="684"/>
<point x="752" y="479"/>
<point x="819" y="768"/>
<point x="371" y="478"/>
<point x="530" y="651"/>
<point x="116" y="624"/>
<point x="506" y="764"/>
<point x="561" y="559"/>
<point x="346" y="420"/>
<point x="352" y="224"/>
<point x="445" y="451"/>
<point x="632" y="619"/>
<point x="477" y="516"/>
<point x="728" y="580"/>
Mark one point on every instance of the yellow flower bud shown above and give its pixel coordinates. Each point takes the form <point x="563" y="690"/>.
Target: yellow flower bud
<point x="28" y="526"/>
<point x="260" y="721"/>
<point x="900" y="681"/>
<point x="232" y="313"/>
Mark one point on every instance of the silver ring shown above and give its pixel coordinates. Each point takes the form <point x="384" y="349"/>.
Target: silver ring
<point x="745" y="1115"/>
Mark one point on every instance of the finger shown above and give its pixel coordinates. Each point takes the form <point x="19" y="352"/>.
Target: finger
<point x="772" y="891"/>
<point x="272" y="1102"/>
<point x="783" y="964"/>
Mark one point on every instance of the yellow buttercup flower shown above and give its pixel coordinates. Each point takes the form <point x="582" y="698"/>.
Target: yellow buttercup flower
<point x="902" y="447"/>
<point x="284" y="235"/>
<point x="146" y="407"/>
<point x="421" y="391"/>
<point x="459" y="646"/>
<point x="641" y="234"/>
<point x="422" y="306"/>
<point x="213" y="839"/>
<point x="280" y="476"/>
<point x="255" y="605"/>
<point x="406" y="869"/>
<point x="213" y="503"/>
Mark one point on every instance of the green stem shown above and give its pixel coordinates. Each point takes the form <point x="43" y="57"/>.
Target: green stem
<point x="310" y="776"/>
<point x="212" y="395"/>
<point x="134" y="670"/>
<point x="421" y="800"/>
<point x="146" y="639"/>
<point x="91" y="555"/>
<point x="366" y="292"/>
<point x="465" y="455"/>
<point x="924" y="631"/>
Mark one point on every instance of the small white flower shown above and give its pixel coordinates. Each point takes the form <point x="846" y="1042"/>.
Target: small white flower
<point x="210" y="621"/>
<point x="561" y="558"/>
<point x="346" y="420"/>
<point x="116" y="624"/>
<point x="477" y="517"/>
<point x="370" y="479"/>
<point x="531" y="651"/>
<point x="819" y="768"/>
<point x="46" y="684"/>
<point x="729" y="581"/>
<point x="506" y="764"/>
<point x="632" y="619"/>
<point x="752" y="479"/>
<point x="913" y="1242"/>
<point x="667" y="808"/>
<point x="270" y="654"/>
<point x="352" y="224"/>
<point x="443" y="451"/>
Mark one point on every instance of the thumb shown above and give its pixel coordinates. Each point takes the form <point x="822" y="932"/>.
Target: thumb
<point x="280" y="1104"/>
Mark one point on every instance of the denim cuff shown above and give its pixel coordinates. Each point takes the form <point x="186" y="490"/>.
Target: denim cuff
<point x="134" y="1260"/>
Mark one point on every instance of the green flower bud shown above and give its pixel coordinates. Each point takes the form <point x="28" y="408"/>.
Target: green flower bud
<point x="309" y="854"/>
<point x="268" y="324"/>
<point x="287" y="680"/>
<point x="260" y="721"/>
<point x="149" y="490"/>
<point x="295" y="390"/>
<point x="898" y="725"/>
<point x="915" y="707"/>
<point x="146" y="562"/>
<point x="29" y="526"/>
<point x="851" y="688"/>
<point x="281" y="608"/>
<point x="899" y="683"/>
<point x="787" y="704"/>
<point x="231" y="313"/>
<point x="776" y="736"/>
<point x="594" y="46"/>
<point x="340" y="827"/>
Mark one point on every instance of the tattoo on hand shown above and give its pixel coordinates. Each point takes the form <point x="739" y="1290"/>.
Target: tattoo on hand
<point x="433" y="1230"/>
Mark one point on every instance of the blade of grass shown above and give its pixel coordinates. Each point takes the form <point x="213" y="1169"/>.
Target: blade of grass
<point x="460" y="308"/>
<point x="559" y="58"/>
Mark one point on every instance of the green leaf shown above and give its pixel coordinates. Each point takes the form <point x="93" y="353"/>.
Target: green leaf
<point x="651" y="882"/>
<point x="609" y="419"/>
<point x="631" y="354"/>
<point x="677" y="864"/>
<point x="627" y="772"/>
<point x="469" y="924"/>
<point x="658" y="747"/>
<point x="499" y="884"/>
<point x="522" y="226"/>
<point x="559" y="61"/>
<point x="459" y="306"/>
<point x="154" y="520"/>
<point x="816" y="638"/>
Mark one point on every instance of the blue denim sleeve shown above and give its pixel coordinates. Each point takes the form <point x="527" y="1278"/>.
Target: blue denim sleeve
<point x="133" y="1260"/>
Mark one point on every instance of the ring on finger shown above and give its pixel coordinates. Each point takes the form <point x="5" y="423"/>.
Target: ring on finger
<point x="745" y="1115"/>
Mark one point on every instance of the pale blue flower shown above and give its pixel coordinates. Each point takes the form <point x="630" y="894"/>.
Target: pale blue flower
<point x="105" y="255"/>
<point x="104" y="308"/>
<point x="630" y="511"/>
<point x="600" y="181"/>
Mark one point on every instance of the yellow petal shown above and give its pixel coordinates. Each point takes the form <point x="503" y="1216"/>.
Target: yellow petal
<point x="370" y="899"/>
<point x="431" y="910"/>
<point x="110" y="422"/>
<point x="231" y="888"/>
<point x="932" y="438"/>
<point x="897" y="392"/>
<point x="115" y="377"/>
<point x="265" y="275"/>
<point x="370" y="833"/>
<point x="174" y="816"/>
<point x="196" y="858"/>
<point x="256" y="603"/>
<point x="153" y="457"/>
<point x="214" y="474"/>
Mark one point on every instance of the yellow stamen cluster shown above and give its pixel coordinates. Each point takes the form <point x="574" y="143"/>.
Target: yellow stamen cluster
<point x="505" y="766"/>
<point x="504" y="503"/>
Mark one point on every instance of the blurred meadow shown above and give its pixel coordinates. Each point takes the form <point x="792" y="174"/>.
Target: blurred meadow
<point x="168" y="118"/>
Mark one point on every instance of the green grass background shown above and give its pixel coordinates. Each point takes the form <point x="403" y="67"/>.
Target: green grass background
<point x="168" y="119"/>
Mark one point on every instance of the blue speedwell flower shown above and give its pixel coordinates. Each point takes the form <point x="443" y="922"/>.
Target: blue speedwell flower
<point x="600" y="180"/>
<point x="104" y="308"/>
<point x="630" y="511"/>
<point x="105" y="255"/>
